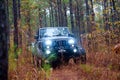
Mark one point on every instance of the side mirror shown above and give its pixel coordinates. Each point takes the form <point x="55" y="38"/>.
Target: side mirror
<point x="36" y="37"/>
<point x="71" y="35"/>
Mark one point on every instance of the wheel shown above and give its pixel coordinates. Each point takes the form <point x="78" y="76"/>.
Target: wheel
<point x="80" y="59"/>
<point x="34" y="60"/>
<point x="77" y="60"/>
<point x="39" y="62"/>
<point x="71" y="61"/>
<point x="83" y="59"/>
<point x="55" y="64"/>
<point x="66" y="61"/>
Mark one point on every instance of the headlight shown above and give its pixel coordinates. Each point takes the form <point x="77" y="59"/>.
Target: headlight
<point x="48" y="42"/>
<point x="48" y="52"/>
<point x="74" y="50"/>
<point x="71" y="41"/>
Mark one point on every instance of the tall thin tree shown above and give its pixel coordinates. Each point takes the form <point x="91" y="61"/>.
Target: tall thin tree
<point x="92" y="10"/>
<point x="65" y="22"/>
<point x="4" y="39"/>
<point x="51" y="14"/>
<point x="71" y="15"/>
<point x="105" y="16"/>
<point x="15" y="25"/>
<point x="59" y="12"/>
<point x="19" y="24"/>
<point x="87" y="16"/>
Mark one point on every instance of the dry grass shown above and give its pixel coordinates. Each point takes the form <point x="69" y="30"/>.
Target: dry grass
<point x="101" y="65"/>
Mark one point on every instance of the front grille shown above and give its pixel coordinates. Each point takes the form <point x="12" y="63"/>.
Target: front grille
<point x="60" y="43"/>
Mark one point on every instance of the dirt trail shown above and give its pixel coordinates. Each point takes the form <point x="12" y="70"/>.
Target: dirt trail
<point x="27" y="71"/>
<point x="66" y="73"/>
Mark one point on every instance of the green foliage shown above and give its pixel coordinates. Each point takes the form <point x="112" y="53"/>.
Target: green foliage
<point x="12" y="60"/>
<point x="47" y="69"/>
<point x="52" y="57"/>
<point x="86" y="68"/>
<point x="33" y="49"/>
<point x="65" y="1"/>
<point x="99" y="40"/>
<point x="17" y="52"/>
<point x="13" y="57"/>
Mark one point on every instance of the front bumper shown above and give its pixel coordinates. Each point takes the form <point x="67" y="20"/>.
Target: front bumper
<point x="53" y="54"/>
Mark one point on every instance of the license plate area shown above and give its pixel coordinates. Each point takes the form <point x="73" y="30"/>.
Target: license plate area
<point x="61" y="50"/>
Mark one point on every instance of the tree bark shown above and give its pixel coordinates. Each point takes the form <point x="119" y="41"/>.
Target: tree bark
<point x="77" y="19"/>
<point x="56" y="17"/>
<point x="92" y="11"/>
<point x="87" y="16"/>
<point x="19" y="24"/>
<point x="40" y="19"/>
<point x="15" y="26"/>
<point x="19" y="2"/>
<point x="44" y="19"/>
<point x="105" y="16"/>
<point x="59" y="13"/>
<point x="29" y="26"/>
<point x="71" y="15"/>
<point x="51" y="14"/>
<point x="4" y="40"/>
<point x="65" y="22"/>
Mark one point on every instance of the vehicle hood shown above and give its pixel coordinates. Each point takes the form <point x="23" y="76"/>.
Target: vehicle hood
<point x="57" y="38"/>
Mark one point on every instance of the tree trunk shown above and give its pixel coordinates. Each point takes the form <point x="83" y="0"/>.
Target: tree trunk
<point x="77" y="19"/>
<point x="40" y="18"/>
<point x="92" y="11"/>
<point x="112" y="12"/>
<point x="44" y="19"/>
<point x="51" y="14"/>
<point x="4" y="40"/>
<point x="56" y="17"/>
<point x="29" y="27"/>
<point x="19" y="2"/>
<point x="71" y="15"/>
<point x="15" y="26"/>
<point x="115" y="12"/>
<point x="82" y="22"/>
<point x="50" y="18"/>
<point x="65" y="22"/>
<point x="19" y="25"/>
<point x="87" y="17"/>
<point x="59" y="12"/>
<point x="105" y="16"/>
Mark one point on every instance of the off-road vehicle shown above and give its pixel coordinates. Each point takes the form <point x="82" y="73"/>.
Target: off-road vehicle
<point x="56" y="45"/>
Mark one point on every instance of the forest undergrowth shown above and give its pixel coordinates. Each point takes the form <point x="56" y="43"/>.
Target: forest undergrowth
<point x="101" y="64"/>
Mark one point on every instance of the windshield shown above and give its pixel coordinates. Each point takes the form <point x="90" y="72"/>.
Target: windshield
<point x="50" y="32"/>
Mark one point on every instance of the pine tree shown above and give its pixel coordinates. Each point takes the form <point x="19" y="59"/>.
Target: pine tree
<point x="4" y="39"/>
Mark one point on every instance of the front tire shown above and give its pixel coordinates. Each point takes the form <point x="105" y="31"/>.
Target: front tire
<point x="39" y="62"/>
<point x="83" y="59"/>
<point x="56" y="64"/>
<point x="34" y="61"/>
<point x="80" y="59"/>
